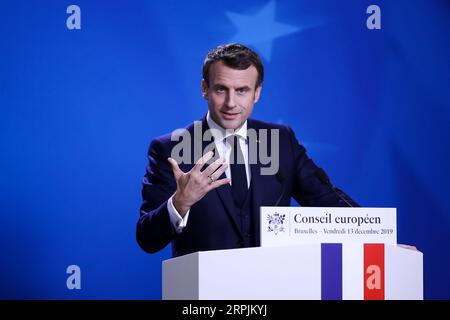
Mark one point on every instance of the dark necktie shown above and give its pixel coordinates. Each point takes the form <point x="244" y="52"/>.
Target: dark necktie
<point x="239" y="185"/>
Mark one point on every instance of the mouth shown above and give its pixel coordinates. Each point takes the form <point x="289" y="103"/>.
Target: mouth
<point x="229" y="115"/>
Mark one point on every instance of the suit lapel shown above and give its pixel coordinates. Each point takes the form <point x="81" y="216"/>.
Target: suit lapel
<point x="226" y="196"/>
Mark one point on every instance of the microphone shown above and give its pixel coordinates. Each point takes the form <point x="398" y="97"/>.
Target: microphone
<point x="320" y="173"/>
<point x="280" y="177"/>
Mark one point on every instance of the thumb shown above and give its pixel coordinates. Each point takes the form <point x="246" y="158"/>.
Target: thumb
<point x="175" y="168"/>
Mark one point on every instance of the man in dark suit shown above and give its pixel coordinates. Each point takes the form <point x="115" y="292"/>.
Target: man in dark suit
<point x="210" y="200"/>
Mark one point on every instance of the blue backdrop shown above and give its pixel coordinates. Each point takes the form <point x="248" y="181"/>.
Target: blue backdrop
<point x="79" y="108"/>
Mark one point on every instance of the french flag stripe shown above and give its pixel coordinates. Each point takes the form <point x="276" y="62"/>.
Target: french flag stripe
<point x="331" y="275"/>
<point x="374" y="271"/>
<point x="352" y="271"/>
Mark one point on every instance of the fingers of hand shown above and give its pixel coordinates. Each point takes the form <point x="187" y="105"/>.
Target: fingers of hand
<point x="201" y="162"/>
<point x="216" y="175"/>
<point x="213" y="167"/>
<point x="175" y="168"/>
<point x="219" y="183"/>
<point x="408" y="247"/>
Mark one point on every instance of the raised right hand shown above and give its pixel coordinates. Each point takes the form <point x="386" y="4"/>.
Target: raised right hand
<point x="195" y="184"/>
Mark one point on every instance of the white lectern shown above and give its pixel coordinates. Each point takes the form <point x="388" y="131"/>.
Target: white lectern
<point x="293" y="272"/>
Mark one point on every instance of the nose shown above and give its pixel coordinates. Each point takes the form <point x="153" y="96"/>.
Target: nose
<point x="231" y="101"/>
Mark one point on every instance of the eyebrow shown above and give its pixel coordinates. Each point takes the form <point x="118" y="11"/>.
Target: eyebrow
<point x="217" y="86"/>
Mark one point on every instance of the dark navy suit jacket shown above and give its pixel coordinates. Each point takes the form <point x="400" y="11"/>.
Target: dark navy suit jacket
<point x="212" y="222"/>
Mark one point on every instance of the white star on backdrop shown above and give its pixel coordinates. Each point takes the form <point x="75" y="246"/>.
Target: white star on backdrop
<point x="259" y="30"/>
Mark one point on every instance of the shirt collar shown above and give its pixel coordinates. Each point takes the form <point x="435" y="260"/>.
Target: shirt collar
<point x="220" y="133"/>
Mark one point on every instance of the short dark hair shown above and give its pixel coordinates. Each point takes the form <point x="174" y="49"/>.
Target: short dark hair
<point x="235" y="56"/>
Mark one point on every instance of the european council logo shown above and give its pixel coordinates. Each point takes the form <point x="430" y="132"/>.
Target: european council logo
<point x="276" y="222"/>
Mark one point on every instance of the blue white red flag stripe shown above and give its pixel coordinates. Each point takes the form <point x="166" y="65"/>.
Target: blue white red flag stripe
<point x="331" y="275"/>
<point x="374" y="271"/>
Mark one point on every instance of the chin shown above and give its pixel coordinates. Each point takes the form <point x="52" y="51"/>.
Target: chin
<point x="230" y="124"/>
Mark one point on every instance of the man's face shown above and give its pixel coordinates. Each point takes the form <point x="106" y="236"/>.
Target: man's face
<point x="231" y="94"/>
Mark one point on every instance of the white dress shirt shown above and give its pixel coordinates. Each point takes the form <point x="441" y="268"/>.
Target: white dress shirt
<point x="224" y="149"/>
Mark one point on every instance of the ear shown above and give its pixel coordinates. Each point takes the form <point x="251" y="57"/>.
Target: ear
<point x="257" y="93"/>
<point x="204" y="89"/>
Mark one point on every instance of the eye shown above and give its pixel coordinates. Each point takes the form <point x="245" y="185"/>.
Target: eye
<point x="242" y="91"/>
<point x="220" y="89"/>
